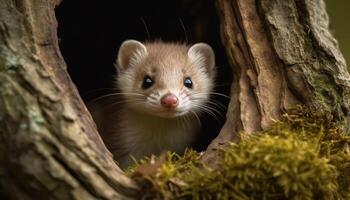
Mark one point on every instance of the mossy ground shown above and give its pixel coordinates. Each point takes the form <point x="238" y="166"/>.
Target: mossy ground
<point x="303" y="156"/>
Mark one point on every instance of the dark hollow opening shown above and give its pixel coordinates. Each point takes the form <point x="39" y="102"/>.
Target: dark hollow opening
<point x="90" y="34"/>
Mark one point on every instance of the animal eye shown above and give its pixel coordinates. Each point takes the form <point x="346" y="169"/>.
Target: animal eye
<point x="147" y="82"/>
<point x="188" y="82"/>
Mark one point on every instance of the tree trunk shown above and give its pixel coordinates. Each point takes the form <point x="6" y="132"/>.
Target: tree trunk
<point x="49" y="146"/>
<point x="281" y="53"/>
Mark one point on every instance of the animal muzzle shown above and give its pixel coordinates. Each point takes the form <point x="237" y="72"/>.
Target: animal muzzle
<point x="169" y="101"/>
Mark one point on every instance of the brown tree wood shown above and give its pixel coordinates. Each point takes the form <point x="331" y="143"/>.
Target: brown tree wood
<point x="49" y="146"/>
<point x="281" y="53"/>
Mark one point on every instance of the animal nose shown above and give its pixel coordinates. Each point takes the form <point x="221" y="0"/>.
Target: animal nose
<point x="169" y="101"/>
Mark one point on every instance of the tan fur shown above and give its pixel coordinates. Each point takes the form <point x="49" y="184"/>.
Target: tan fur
<point x="139" y="126"/>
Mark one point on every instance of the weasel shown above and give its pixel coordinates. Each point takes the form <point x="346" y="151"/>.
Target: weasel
<point x="162" y="89"/>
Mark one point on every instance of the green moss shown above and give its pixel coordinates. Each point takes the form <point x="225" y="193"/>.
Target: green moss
<point x="301" y="157"/>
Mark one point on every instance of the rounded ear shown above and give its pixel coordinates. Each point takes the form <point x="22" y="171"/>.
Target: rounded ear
<point x="203" y="54"/>
<point x="130" y="53"/>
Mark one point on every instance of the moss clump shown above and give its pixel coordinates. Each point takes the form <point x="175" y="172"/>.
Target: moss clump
<point x="301" y="157"/>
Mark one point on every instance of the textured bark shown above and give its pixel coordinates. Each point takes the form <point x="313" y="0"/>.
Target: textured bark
<point x="282" y="53"/>
<point x="49" y="146"/>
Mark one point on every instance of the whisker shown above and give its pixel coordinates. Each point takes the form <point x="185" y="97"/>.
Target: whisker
<point x="144" y="23"/>
<point x="214" y="110"/>
<point x="98" y="90"/>
<point x="152" y="99"/>
<point x="113" y="95"/>
<point x="213" y="93"/>
<point x="184" y="29"/>
<point x="123" y="102"/>
<point x="214" y="103"/>
<point x="222" y="85"/>
<point x="216" y="106"/>
<point x="208" y="107"/>
<point x="197" y="117"/>
<point x="208" y="111"/>
<point x="219" y="94"/>
<point x="217" y="103"/>
<point x="183" y="119"/>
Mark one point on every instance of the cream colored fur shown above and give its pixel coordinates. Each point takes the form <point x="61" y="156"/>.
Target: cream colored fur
<point x="138" y="125"/>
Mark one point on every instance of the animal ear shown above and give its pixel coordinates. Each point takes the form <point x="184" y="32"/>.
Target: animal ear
<point x="203" y="54"/>
<point x="130" y="53"/>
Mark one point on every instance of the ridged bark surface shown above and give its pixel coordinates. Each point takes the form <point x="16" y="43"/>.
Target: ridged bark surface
<point x="282" y="53"/>
<point x="49" y="146"/>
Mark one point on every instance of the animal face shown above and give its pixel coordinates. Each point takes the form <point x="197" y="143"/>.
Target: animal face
<point x="165" y="80"/>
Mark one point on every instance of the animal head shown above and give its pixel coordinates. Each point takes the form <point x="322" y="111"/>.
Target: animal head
<point x="165" y="79"/>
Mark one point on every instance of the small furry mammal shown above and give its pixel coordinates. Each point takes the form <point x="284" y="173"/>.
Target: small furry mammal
<point x="162" y="87"/>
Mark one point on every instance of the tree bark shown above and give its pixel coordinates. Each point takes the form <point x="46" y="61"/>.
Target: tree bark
<point x="49" y="146"/>
<point x="282" y="54"/>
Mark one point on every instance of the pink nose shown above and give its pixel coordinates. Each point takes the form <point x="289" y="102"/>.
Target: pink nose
<point x="169" y="101"/>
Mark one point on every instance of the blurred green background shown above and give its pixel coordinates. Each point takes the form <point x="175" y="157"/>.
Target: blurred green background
<point x="339" y="12"/>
